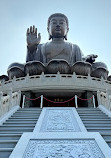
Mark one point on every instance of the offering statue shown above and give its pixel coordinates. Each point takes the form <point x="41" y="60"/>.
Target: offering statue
<point x="57" y="54"/>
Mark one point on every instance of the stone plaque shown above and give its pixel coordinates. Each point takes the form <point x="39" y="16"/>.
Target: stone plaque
<point x="59" y="120"/>
<point x="67" y="148"/>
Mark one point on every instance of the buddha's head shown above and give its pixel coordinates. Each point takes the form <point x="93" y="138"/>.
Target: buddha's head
<point x="58" y="26"/>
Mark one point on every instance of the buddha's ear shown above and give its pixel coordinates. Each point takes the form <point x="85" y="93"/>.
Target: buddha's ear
<point x="67" y="30"/>
<point x="66" y="34"/>
<point x="49" y="34"/>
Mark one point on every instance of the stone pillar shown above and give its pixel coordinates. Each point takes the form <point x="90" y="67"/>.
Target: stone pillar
<point x="28" y="102"/>
<point x="98" y="97"/>
<point x="89" y="94"/>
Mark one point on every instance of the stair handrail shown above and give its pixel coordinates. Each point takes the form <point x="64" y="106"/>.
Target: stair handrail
<point x="104" y="99"/>
<point x="23" y="103"/>
<point x="41" y="103"/>
<point x="94" y="101"/>
<point x="7" y="102"/>
<point x="76" y="101"/>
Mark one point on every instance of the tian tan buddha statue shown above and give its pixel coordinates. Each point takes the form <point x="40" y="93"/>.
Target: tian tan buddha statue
<point x="56" y="55"/>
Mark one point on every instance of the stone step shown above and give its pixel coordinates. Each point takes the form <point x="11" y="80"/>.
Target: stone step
<point x="24" y="120"/>
<point x="12" y="132"/>
<point x="29" y="109"/>
<point x="24" y="129"/>
<point x="19" y="123"/>
<point x="108" y="140"/>
<point x="96" y="121"/>
<point x="10" y="136"/>
<point x="88" y="109"/>
<point x="97" y="125"/>
<point x="99" y="130"/>
<point x="90" y="114"/>
<point x="109" y="144"/>
<point x="106" y="135"/>
<point x="28" y="112"/>
<point x="93" y="117"/>
<point x="18" y="126"/>
<point x="24" y="117"/>
<point x="5" y="152"/>
<point x="94" y="128"/>
<point x="8" y="143"/>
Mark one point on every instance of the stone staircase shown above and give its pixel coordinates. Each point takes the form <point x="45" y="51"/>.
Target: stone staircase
<point x="23" y="120"/>
<point x="96" y="121"/>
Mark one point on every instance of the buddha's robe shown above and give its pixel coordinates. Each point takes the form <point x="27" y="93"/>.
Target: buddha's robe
<point x="55" y="50"/>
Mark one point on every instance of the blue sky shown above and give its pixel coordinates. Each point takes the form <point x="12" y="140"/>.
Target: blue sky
<point x="89" y="26"/>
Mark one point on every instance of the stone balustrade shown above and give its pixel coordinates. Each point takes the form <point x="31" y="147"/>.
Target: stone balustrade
<point x="9" y="101"/>
<point x="104" y="98"/>
<point x="56" y="81"/>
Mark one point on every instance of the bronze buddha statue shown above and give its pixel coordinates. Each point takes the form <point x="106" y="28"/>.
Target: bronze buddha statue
<point x="57" y="54"/>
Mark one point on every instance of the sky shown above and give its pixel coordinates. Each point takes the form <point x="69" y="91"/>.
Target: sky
<point x="89" y="27"/>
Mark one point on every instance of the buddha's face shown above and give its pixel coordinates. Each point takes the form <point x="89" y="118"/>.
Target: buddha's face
<point x="58" y="27"/>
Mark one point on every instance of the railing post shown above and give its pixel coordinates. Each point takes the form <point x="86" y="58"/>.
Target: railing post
<point x="110" y="102"/>
<point x="23" y="101"/>
<point x="1" y="96"/>
<point x="10" y="98"/>
<point x="19" y="97"/>
<point x="107" y="100"/>
<point x="98" y="98"/>
<point x="76" y="101"/>
<point x="94" y="102"/>
<point x="41" y="104"/>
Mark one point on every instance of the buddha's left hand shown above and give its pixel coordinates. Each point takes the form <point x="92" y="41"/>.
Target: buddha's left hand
<point x="91" y="58"/>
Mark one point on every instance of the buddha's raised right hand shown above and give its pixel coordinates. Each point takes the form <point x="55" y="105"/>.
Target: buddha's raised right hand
<point x="32" y="38"/>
